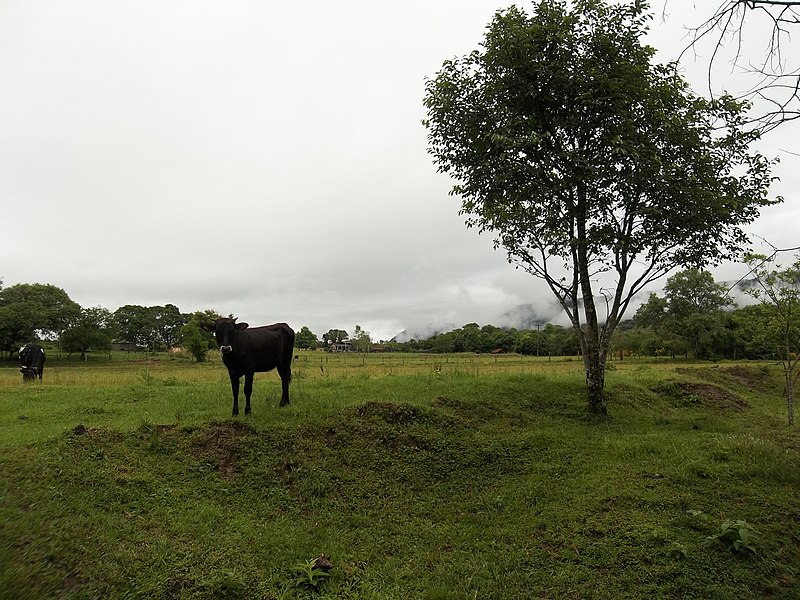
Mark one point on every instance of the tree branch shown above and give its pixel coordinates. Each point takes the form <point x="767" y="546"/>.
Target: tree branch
<point x="779" y="84"/>
<point x="775" y="252"/>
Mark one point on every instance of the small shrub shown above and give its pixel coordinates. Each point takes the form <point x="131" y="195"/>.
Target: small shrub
<point x="311" y="575"/>
<point x="146" y="377"/>
<point x="678" y="551"/>
<point x="740" y="537"/>
<point x="155" y="440"/>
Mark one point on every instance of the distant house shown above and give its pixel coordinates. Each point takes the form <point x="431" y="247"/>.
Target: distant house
<point x="123" y="346"/>
<point x="340" y="347"/>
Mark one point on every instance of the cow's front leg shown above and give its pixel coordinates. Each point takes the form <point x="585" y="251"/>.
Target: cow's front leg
<point x="248" y="390"/>
<point x="235" y="390"/>
<point x="286" y="376"/>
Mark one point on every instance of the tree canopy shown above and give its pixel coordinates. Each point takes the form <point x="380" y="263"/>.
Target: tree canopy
<point x="92" y="330"/>
<point x="196" y="337"/>
<point x="595" y="169"/>
<point x="29" y="310"/>
<point x="151" y="327"/>
<point x="305" y="338"/>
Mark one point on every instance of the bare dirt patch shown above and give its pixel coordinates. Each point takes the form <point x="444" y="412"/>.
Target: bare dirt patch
<point x="83" y="430"/>
<point x="714" y="397"/>
<point x="750" y="377"/>
<point x="220" y="442"/>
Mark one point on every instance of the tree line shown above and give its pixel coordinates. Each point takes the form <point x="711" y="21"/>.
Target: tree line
<point x="35" y="311"/>
<point x="694" y="317"/>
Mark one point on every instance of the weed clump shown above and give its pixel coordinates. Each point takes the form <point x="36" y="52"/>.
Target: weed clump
<point x="311" y="574"/>
<point x="738" y="536"/>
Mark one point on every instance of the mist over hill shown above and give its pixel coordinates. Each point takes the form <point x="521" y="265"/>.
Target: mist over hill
<point x="522" y="316"/>
<point x="528" y="316"/>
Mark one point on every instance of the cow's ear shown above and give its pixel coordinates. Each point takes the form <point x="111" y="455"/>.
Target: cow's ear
<point x="208" y="326"/>
<point x="242" y="326"/>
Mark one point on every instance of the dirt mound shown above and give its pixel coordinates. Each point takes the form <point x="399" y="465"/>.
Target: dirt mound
<point x="750" y="377"/>
<point x="713" y="396"/>
<point x="83" y="430"/>
<point x="396" y="414"/>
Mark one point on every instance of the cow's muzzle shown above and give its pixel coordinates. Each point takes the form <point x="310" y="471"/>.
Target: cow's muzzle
<point x="226" y="349"/>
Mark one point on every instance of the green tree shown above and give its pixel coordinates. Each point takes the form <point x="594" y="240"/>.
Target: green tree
<point x="779" y="290"/>
<point x="468" y="338"/>
<point x="559" y="341"/>
<point x="92" y="330"/>
<point x="528" y="342"/>
<point x="133" y="325"/>
<point x="501" y="338"/>
<point x="305" y="338"/>
<point x="154" y="327"/>
<point x="750" y="334"/>
<point x="590" y="163"/>
<point x="31" y="310"/>
<point x="692" y="310"/>
<point x="334" y="336"/>
<point x="361" y="340"/>
<point x="441" y="343"/>
<point x="639" y="341"/>
<point x="194" y="335"/>
<point x="167" y="323"/>
<point x="652" y="313"/>
<point x="694" y="291"/>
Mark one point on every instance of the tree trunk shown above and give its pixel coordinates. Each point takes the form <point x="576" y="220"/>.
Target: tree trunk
<point x="789" y="363"/>
<point x="592" y="346"/>
<point x="788" y="370"/>
<point x="595" y="365"/>
<point x="594" y="351"/>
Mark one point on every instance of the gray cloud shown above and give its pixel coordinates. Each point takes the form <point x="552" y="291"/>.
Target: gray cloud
<point x="262" y="160"/>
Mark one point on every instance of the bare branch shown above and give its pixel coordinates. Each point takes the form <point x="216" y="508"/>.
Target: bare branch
<point x="775" y="252"/>
<point x="778" y="87"/>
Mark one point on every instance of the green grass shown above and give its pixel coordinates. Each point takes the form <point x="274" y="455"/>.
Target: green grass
<point x="420" y="476"/>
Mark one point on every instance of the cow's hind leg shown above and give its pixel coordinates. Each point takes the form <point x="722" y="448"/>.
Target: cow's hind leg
<point x="235" y="390"/>
<point x="285" y="371"/>
<point x="248" y="391"/>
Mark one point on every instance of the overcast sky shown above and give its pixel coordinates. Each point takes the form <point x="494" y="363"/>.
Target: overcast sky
<point x="263" y="159"/>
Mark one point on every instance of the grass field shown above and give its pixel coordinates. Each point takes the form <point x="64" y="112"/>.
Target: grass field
<point x="421" y="476"/>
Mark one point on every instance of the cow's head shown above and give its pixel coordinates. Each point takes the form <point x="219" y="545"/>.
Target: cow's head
<point x="225" y="329"/>
<point x="28" y="373"/>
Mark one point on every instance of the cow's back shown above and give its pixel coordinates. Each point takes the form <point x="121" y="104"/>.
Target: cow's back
<point x="260" y="349"/>
<point x="32" y="355"/>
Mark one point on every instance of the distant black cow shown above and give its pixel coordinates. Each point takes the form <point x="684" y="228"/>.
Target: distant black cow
<point x="31" y="358"/>
<point x="246" y="351"/>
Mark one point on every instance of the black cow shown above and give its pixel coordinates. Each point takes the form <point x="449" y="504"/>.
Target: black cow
<point x="31" y="358"/>
<point x="246" y="351"/>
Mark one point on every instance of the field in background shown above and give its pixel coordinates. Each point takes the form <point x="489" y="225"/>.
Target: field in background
<point x="312" y="364"/>
<point x="422" y="476"/>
